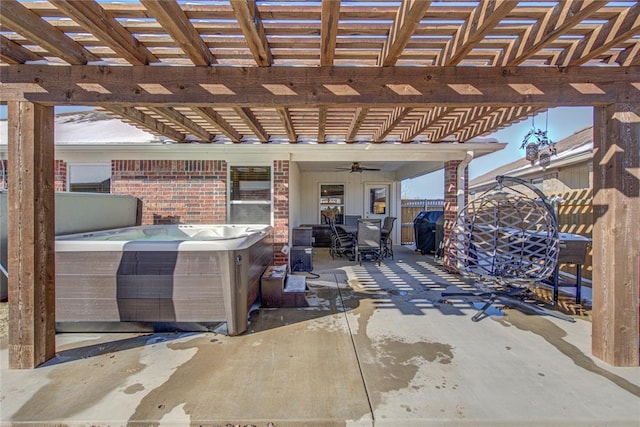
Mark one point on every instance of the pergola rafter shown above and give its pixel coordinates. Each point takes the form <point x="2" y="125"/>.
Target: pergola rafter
<point x="250" y="120"/>
<point x="181" y="121"/>
<point x="491" y="33"/>
<point x="329" y="31"/>
<point x="249" y="21"/>
<point x="27" y="23"/>
<point x="556" y="22"/>
<point x="603" y="38"/>
<point x="211" y="116"/>
<point x="171" y="16"/>
<point x="481" y="22"/>
<point x="12" y="53"/>
<point x="145" y="121"/>
<point x="96" y="20"/>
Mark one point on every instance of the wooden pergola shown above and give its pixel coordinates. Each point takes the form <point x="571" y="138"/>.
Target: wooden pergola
<point x="246" y="71"/>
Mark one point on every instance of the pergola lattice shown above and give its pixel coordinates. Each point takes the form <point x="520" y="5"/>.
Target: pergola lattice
<point x="342" y="102"/>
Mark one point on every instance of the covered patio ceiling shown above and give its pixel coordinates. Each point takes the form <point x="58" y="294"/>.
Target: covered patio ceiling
<point x="321" y="71"/>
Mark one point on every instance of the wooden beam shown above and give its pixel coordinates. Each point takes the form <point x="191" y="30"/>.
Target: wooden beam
<point x="322" y="124"/>
<point x="26" y="22"/>
<point x="563" y="17"/>
<point x="329" y="31"/>
<point x="630" y="56"/>
<point x="390" y="124"/>
<point x="619" y="29"/>
<point x="616" y="246"/>
<point x="250" y="120"/>
<point x="31" y="237"/>
<point x="404" y="25"/>
<point x="482" y="20"/>
<point x="182" y="121"/>
<point x="174" y="20"/>
<point x="307" y="86"/>
<point x="212" y="116"/>
<point x="13" y="53"/>
<point x="356" y="123"/>
<point x="285" y="117"/>
<point x="100" y="23"/>
<point x="146" y="121"/>
<point x="250" y="23"/>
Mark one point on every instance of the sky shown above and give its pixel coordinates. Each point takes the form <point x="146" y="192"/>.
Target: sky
<point x="562" y="122"/>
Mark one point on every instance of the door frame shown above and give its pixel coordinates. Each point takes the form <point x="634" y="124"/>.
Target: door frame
<point x="367" y="186"/>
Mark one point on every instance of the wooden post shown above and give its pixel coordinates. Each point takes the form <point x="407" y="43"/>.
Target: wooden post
<point x="616" y="234"/>
<point x="31" y="235"/>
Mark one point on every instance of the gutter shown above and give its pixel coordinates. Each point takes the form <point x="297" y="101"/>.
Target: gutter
<point x="460" y="180"/>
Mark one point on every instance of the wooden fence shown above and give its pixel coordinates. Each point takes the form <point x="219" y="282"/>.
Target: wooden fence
<point x="575" y="216"/>
<point x="410" y="209"/>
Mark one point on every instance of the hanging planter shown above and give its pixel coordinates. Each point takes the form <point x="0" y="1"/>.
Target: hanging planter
<point x="534" y="142"/>
<point x="545" y="159"/>
<point x="532" y="152"/>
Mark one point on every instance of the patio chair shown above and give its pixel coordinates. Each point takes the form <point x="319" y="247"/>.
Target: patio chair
<point x="342" y="244"/>
<point x="385" y="235"/>
<point x="351" y="221"/>
<point x="368" y="240"/>
<point x="507" y="241"/>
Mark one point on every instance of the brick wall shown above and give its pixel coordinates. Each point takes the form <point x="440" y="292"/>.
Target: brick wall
<point x="174" y="191"/>
<point x="451" y="197"/>
<point x="60" y="175"/>
<point x="280" y="209"/>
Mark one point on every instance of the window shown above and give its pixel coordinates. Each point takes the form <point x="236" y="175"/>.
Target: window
<point x="332" y="203"/>
<point x="89" y="178"/>
<point x="378" y="200"/>
<point x="250" y="195"/>
<point x="538" y="183"/>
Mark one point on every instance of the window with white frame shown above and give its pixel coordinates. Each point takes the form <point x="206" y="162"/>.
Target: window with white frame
<point x="250" y="195"/>
<point x="538" y="183"/>
<point x="332" y="203"/>
<point x="89" y="178"/>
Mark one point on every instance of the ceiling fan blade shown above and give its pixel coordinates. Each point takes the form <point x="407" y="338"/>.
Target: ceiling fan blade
<point x="355" y="167"/>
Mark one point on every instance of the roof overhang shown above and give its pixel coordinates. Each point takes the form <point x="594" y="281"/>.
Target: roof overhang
<point x="402" y="160"/>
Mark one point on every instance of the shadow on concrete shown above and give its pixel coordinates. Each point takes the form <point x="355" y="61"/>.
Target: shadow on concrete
<point x="83" y="351"/>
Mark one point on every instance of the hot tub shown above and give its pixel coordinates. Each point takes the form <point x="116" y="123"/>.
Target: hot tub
<point x="177" y="275"/>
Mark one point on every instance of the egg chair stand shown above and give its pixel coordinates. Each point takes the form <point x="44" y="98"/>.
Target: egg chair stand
<point x="507" y="241"/>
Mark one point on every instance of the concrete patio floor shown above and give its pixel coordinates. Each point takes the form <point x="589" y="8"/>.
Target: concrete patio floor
<point x="376" y="346"/>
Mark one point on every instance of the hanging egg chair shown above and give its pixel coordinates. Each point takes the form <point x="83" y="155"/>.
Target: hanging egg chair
<point x="506" y="240"/>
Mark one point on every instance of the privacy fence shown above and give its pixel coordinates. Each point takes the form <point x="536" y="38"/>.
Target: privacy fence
<point x="575" y="216"/>
<point x="410" y="209"/>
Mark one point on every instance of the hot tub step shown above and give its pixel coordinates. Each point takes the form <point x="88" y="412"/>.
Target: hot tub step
<point x="283" y="290"/>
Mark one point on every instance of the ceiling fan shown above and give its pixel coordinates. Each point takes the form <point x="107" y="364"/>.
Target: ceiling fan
<point x="355" y="167"/>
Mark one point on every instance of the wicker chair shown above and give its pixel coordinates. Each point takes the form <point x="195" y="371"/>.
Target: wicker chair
<point x="507" y="241"/>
